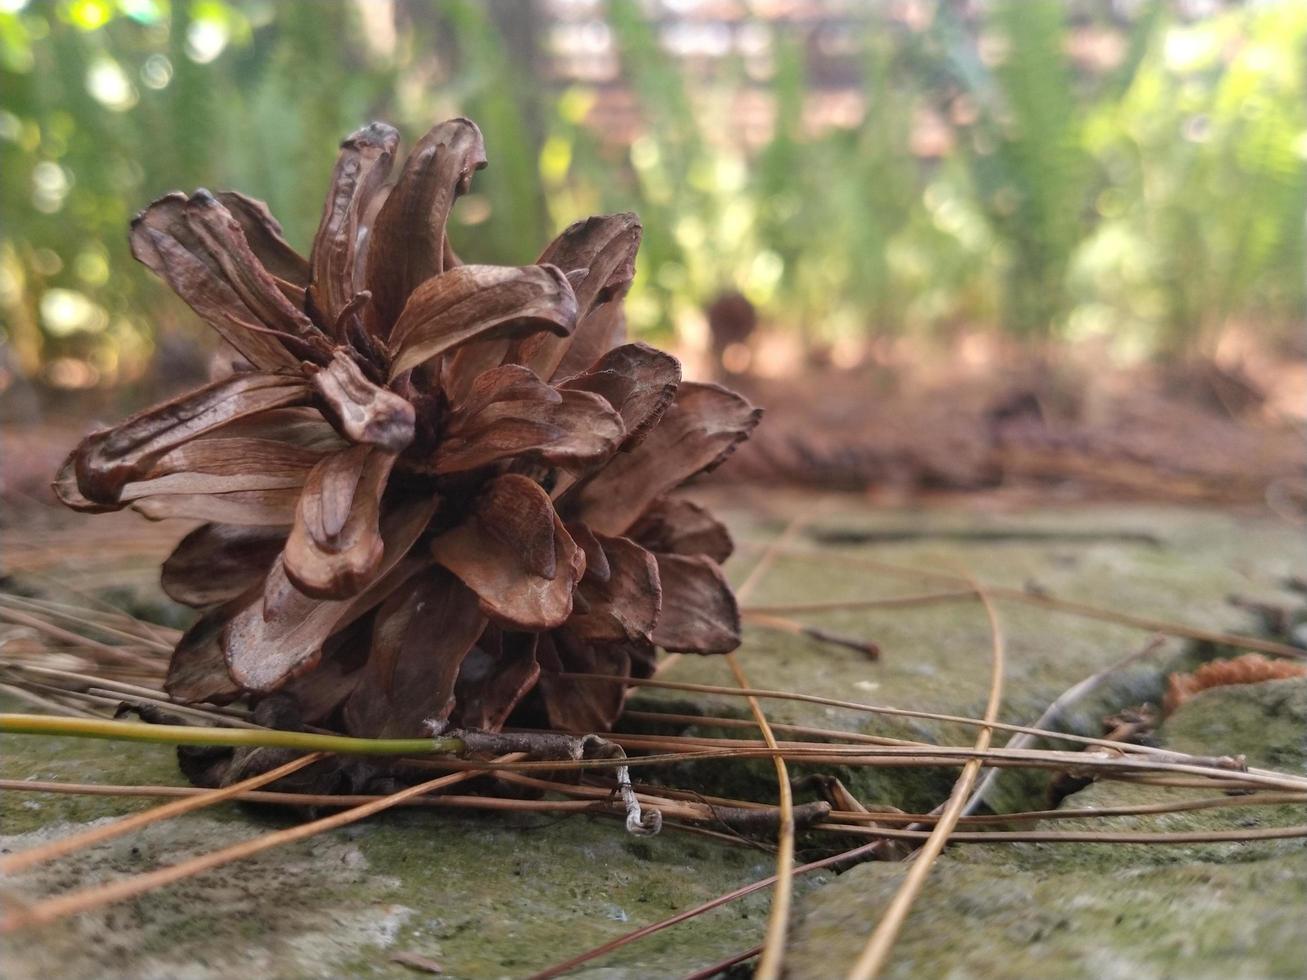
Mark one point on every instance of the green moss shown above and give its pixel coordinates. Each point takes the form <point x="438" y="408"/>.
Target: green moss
<point x="1078" y="910"/>
<point x="509" y="895"/>
<point x="493" y="895"/>
<point x="1194" y="920"/>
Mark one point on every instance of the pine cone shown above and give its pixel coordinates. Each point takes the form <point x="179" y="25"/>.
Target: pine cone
<point x="438" y="488"/>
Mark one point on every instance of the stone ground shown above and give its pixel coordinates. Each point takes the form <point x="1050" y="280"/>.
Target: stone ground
<point x="499" y="896"/>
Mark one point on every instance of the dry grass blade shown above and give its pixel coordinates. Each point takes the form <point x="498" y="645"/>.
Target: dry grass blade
<point x="54" y="909"/>
<point x="1071" y="813"/>
<point x="723" y="721"/>
<point x="23" y="860"/>
<point x="1139" y="769"/>
<point x="876" y="952"/>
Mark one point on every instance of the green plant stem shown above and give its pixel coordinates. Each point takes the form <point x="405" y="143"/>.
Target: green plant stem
<point x="128" y="731"/>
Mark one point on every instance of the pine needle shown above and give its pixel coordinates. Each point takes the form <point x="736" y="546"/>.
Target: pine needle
<point x="876" y="952"/>
<point x="14" y="863"/>
<point x="778" y="922"/>
<point x="83" y="900"/>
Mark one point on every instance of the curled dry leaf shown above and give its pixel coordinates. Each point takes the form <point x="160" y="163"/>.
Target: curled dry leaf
<point x="623" y="604"/>
<point x="578" y="704"/>
<point x="408" y="245"/>
<point x="636" y="380"/>
<point x="163" y="240"/>
<point x="386" y="486"/>
<point x="219" y="562"/>
<point x="264" y="235"/>
<point x="419" y="639"/>
<point x="524" y="417"/>
<point x="280" y="633"/>
<point x="198" y="669"/>
<point x="364" y="162"/>
<point x="107" y="461"/>
<point x="364" y="412"/>
<point x="598" y="256"/>
<point x="223" y="238"/>
<point x="480" y="302"/>
<point x="335" y="544"/>
<point x="700" y="614"/>
<point x="515" y="554"/>
<point x="259" y="508"/>
<point x="700" y="429"/>
<point x="682" y="527"/>
<point x="494" y="678"/>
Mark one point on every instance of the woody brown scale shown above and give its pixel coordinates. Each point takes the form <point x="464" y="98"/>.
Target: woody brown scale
<point x="435" y="488"/>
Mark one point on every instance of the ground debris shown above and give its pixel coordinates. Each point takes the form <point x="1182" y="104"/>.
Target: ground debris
<point x="1251" y="668"/>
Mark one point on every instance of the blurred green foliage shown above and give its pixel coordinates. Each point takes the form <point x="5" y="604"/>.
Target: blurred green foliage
<point x="995" y="176"/>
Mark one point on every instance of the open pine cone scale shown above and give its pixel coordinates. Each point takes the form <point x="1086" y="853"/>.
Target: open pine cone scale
<point x="435" y="489"/>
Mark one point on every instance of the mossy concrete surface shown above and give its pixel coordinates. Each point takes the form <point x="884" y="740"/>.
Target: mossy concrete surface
<point x="485" y="896"/>
<point x="1138" y="911"/>
<point x="500" y="896"/>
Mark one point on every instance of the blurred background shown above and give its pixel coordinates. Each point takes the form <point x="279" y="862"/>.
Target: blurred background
<point x="859" y="191"/>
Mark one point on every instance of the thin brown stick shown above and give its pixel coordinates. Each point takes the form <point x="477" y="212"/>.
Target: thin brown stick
<point x="85" y="680"/>
<point x="14" y="863"/>
<point x="1179" y="782"/>
<point x="876" y="952"/>
<point x="1126" y="748"/>
<point x="53" y="909"/>
<point x="1074" y="813"/>
<point x="216" y="718"/>
<point x="161" y="633"/>
<point x="601" y="808"/>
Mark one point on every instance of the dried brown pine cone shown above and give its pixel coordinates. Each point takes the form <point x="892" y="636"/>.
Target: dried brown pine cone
<point x="438" y="488"/>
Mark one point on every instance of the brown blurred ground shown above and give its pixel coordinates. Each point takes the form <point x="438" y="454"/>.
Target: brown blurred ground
<point x="1040" y="428"/>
